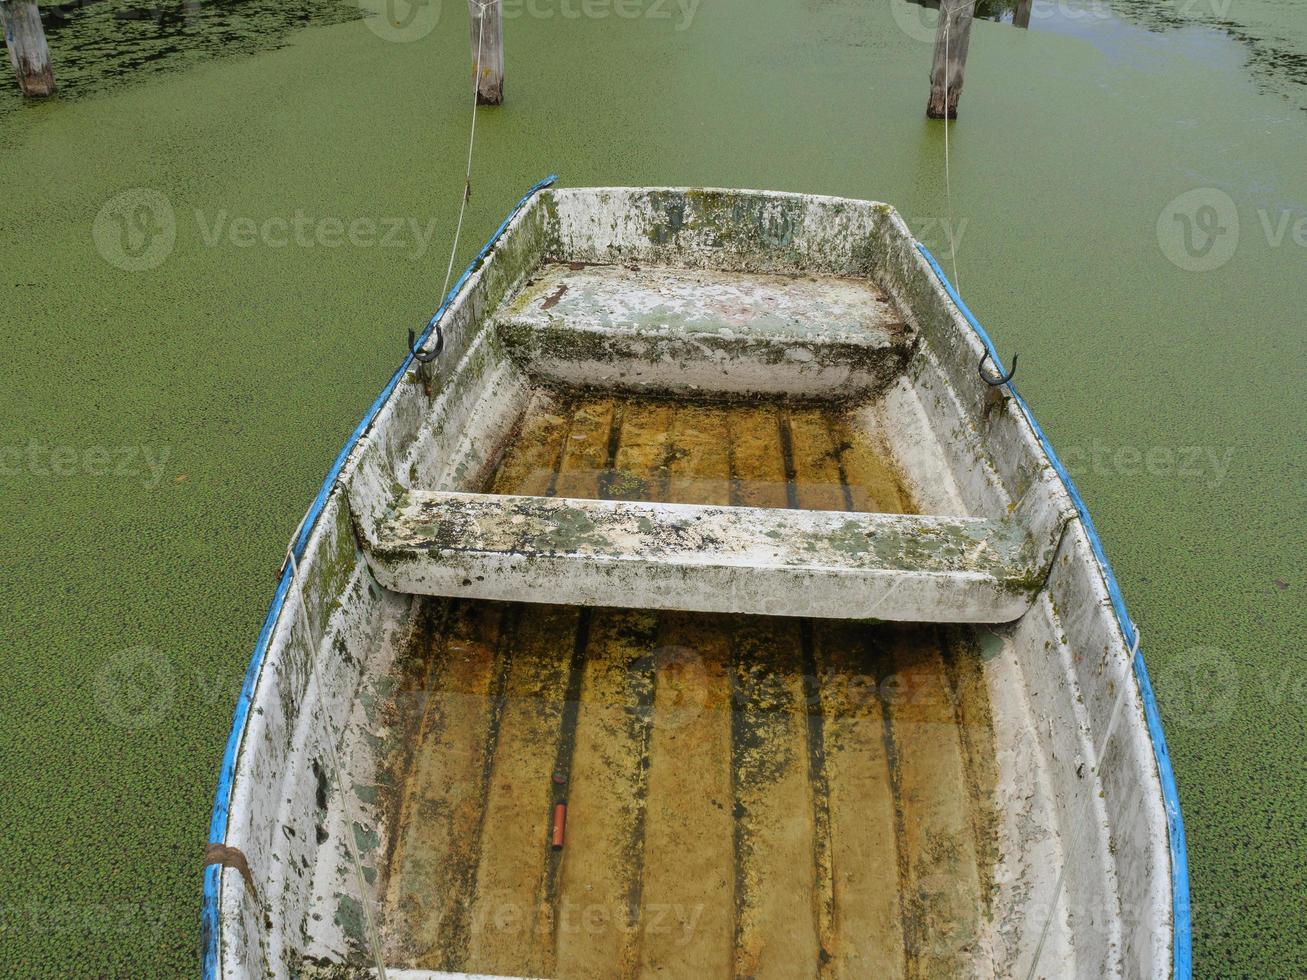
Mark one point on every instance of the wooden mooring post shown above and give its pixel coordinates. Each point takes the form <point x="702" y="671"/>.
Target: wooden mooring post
<point x="487" y="18"/>
<point x="1021" y="16"/>
<point x="28" y="52"/>
<point x="951" y="41"/>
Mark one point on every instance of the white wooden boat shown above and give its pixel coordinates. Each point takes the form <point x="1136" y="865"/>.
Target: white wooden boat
<point x="709" y="521"/>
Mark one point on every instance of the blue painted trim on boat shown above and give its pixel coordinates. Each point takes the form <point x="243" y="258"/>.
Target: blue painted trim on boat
<point x="1181" y="911"/>
<point x="209" y="918"/>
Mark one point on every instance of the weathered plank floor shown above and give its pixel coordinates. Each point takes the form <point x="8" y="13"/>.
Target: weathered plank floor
<point x="753" y="454"/>
<point x="746" y="796"/>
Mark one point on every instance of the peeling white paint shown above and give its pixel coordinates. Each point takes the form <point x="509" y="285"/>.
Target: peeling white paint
<point x="824" y="564"/>
<point x="1054" y="674"/>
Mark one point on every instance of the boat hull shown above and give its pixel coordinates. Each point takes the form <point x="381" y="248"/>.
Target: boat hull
<point x="1091" y="875"/>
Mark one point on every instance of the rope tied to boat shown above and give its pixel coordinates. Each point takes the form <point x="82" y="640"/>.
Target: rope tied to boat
<point x="1000" y="379"/>
<point x="429" y="356"/>
<point x="422" y="357"/>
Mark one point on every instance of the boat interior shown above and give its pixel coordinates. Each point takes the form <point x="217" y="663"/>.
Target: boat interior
<point x="731" y="551"/>
<point x="727" y="395"/>
<point x="719" y="770"/>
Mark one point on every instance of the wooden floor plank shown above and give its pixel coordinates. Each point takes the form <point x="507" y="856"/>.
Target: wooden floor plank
<point x="584" y="464"/>
<point x="535" y="451"/>
<point x="597" y="909"/>
<point x="776" y="928"/>
<point x="942" y="900"/>
<point x="832" y="453"/>
<point x="816" y="459"/>
<point x="746" y="796"/>
<point x="700" y="456"/>
<point x="438" y="836"/>
<point x="512" y="928"/>
<point x="758" y="476"/>
<point x="866" y="937"/>
<point x="874" y="482"/>
<point x="688" y="914"/>
<point x="973" y="715"/>
<point x="597" y="897"/>
<point x="857" y="878"/>
<point x="641" y="463"/>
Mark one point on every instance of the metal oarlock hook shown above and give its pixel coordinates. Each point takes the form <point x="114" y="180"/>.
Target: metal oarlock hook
<point x="1001" y="379"/>
<point x="420" y="357"/>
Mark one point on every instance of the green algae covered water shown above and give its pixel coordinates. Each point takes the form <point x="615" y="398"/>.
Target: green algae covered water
<point x="215" y="239"/>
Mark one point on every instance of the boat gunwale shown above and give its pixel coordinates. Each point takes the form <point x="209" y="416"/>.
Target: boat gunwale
<point x="310" y="528"/>
<point x="1181" y="909"/>
<point x="211" y="908"/>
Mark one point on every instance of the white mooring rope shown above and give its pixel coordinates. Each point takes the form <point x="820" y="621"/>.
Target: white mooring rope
<point x="948" y="188"/>
<point x="333" y="736"/>
<point x="1124" y="684"/>
<point x="471" y="142"/>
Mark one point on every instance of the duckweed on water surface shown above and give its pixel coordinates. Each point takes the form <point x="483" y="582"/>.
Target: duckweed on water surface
<point x="164" y="429"/>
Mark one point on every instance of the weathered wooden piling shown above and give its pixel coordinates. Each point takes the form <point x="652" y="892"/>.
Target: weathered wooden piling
<point x="487" y="18"/>
<point x="28" y="52"/>
<point x="1021" y="16"/>
<point x="951" y="41"/>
